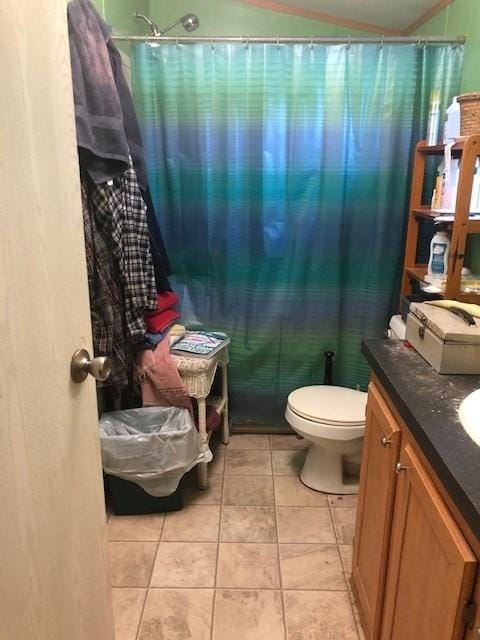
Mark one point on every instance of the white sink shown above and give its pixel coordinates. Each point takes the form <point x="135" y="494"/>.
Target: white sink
<point x="469" y="414"/>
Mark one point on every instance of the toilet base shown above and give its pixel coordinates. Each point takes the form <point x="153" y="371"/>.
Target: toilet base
<point x="323" y="471"/>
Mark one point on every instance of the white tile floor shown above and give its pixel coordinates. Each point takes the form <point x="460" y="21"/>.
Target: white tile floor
<point x="257" y="556"/>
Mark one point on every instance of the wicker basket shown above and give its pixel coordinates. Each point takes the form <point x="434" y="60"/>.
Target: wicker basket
<point x="197" y="373"/>
<point x="469" y="113"/>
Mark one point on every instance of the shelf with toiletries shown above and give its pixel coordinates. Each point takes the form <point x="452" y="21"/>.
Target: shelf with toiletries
<point x="419" y="274"/>
<point x="439" y="149"/>
<point x="457" y="207"/>
<point x="447" y="217"/>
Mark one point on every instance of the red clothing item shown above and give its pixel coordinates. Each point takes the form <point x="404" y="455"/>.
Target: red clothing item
<point x="160" y="320"/>
<point x="166" y="300"/>
<point x="214" y="419"/>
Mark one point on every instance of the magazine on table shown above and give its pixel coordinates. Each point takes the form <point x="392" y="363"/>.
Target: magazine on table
<point x="200" y="344"/>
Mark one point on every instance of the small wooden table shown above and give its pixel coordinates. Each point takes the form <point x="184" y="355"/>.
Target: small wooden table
<point x="198" y="375"/>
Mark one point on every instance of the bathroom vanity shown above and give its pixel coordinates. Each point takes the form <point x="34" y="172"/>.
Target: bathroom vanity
<point x="417" y="540"/>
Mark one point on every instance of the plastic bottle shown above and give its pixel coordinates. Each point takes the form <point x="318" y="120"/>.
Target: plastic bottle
<point x="475" y="198"/>
<point x="439" y="250"/>
<point x="433" y="119"/>
<point x="450" y="186"/>
<point x="437" y="192"/>
<point x="451" y="129"/>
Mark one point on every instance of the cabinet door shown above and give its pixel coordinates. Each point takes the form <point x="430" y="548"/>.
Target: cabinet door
<point x="375" y="509"/>
<point x="431" y="567"/>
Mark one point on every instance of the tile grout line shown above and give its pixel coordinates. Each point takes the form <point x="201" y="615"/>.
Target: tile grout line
<point x="282" y="592"/>
<point x="349" y="594"/>
<point x="147" y="591"/>
<point x="212" y="620"/>
<point x="178" y="588"/>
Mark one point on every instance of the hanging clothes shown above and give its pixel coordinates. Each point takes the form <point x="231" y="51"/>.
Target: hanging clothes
<point x="106" y="300"/>
<point x="108" y="135"/>
<point x="119" y="206"/>
<point x="101" y="138"/>
<point x="126" y="258"/>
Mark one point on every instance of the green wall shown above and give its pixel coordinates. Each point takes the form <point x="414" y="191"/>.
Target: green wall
<point x="119" y="13"/>
<point x="217" y="17"/>
<point x="462" y="17"/>
<point x="227" y="17"/>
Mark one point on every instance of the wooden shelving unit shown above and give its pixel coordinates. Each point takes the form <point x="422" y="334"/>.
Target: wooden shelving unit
<point x="468" y="150"/>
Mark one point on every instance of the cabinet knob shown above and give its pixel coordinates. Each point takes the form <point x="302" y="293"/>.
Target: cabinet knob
<point x="385" y="442"/>
<point x="400" y="467"/>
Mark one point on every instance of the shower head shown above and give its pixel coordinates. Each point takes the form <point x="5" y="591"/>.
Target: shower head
<point x="154" y="30"/>
<point x="190" y="22"/>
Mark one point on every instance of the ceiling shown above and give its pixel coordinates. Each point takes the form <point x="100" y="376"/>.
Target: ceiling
<point x="393" y="15"/>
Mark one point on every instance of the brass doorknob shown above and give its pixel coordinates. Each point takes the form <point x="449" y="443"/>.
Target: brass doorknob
<point x="100" y="368"/>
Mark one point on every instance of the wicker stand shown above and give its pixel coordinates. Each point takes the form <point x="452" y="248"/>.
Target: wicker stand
<point x="197" y="375"/>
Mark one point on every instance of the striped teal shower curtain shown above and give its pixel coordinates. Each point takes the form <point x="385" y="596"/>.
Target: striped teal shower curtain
<point x="280" y="175"/>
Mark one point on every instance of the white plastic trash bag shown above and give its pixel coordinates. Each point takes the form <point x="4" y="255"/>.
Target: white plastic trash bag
<point x="153" y="447"/>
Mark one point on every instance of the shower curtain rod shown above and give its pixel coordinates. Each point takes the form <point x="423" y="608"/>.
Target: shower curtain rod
<point x="420" y="40"/>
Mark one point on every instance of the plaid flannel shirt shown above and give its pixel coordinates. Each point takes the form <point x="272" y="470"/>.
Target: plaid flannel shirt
<point x="120" y="270"/>
<point x="119" y="203"/>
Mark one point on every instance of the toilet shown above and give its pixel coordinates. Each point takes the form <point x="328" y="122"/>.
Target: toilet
<point x="332" y="419"/>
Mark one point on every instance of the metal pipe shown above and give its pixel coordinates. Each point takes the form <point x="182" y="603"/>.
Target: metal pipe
<point x="154" y="30"/>
<point x="189" y="22"/>
<point x="420" y="40"/>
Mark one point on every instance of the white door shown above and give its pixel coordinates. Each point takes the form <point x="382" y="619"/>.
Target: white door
<point x="53" y="572"/>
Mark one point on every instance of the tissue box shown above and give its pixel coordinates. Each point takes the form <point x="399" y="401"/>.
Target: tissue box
<point x="446" y="342"/>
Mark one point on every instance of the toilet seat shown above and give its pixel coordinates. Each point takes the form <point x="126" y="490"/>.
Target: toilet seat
<point x="312" y="429"/>
<point x="329" y="405"/>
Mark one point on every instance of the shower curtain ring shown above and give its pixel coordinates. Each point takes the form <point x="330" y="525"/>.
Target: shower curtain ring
<point x="382" y="41"/>
<point x="176" y="41"/>
<point x="246" y="43"/>
<point x="311" y="42"/>
<point x="349" y="43"/>
<point x="278" y="42"/>
<point x="212" y="46"/>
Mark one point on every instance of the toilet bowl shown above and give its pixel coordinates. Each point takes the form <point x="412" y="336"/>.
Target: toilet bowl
<point x="332" y="419"/>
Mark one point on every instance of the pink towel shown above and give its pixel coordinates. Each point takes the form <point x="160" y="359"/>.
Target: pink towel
<point x="159" y="379"/>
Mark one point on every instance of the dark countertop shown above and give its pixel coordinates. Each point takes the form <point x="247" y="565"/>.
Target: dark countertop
<point x="428" y="402"/>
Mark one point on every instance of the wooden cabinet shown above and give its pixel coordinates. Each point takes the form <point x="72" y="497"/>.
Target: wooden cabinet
<point x="375" y="509"/>
<point x="431" y="568"/>
<point x="413" y="571"/>
<point x="468" y="150"/>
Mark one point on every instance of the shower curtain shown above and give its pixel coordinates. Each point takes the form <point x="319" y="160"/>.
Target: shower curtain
<point x="281" y="177"/>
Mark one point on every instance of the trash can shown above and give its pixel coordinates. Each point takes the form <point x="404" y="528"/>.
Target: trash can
<point x="145" y="453"/>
